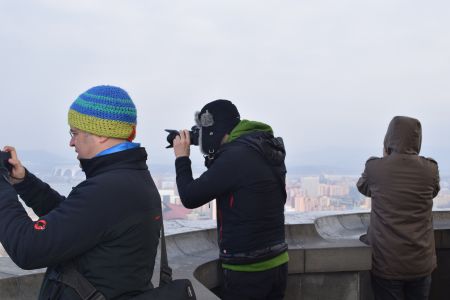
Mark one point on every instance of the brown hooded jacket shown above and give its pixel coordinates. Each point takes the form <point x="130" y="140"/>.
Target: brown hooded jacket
<point x="402" y="186"/>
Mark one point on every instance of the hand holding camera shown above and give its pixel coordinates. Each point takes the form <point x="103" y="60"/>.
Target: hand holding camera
<point x="12" y="167"/>
<point x="182" y="144"/>
<point x="4" y="164"/>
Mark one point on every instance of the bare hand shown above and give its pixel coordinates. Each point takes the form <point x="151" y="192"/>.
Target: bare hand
<point x="182" y="143"/>
<point x="18" y="171"/>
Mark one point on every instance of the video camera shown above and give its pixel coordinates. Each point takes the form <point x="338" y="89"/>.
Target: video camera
<point x="193" y="134"/>
<point x="4" y="164"/>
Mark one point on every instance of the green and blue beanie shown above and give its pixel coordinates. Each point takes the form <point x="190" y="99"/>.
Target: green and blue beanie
<point x="104" y="111"/>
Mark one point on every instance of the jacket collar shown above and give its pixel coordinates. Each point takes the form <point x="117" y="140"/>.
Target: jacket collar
<point x="128" y="159"/>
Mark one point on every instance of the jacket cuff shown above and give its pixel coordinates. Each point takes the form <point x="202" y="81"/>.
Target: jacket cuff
<point x="27" y="180"/>
<point x="182" y="161"/>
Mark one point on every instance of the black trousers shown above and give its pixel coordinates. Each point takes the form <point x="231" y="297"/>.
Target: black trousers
<point x="413" y="289"/>
<point x="264" y="285"/>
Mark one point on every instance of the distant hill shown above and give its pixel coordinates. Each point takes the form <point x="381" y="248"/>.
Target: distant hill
<point x="45" y="161"/>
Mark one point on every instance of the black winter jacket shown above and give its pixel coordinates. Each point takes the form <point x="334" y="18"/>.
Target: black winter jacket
<point x="108" y="226"/>
<point x="247" y="178"/>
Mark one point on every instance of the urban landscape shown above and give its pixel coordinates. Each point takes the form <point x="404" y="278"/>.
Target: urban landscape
<point x="305" y="193"/>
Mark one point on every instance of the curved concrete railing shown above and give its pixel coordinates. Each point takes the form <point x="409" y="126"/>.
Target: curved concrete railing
<point x="343" y="227"/>
<point x="327" y="261"/>
<point x="16" y="283"/>
<point x="352" y="226"/>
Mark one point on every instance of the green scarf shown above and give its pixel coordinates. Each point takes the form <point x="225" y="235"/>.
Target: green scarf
<point x="246" y="126"/>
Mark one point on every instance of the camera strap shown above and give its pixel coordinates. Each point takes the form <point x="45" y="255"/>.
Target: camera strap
<point x="70" y="276"/>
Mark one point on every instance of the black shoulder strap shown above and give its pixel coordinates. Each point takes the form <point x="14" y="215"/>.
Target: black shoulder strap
<point x="165" y="272"/>
<point x="71" y="277"/>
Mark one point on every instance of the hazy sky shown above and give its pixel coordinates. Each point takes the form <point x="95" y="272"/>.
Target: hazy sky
<point x="327" y="75"/>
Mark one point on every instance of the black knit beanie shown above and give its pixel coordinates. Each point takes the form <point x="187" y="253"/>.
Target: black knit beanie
<point x="216" y="119"/>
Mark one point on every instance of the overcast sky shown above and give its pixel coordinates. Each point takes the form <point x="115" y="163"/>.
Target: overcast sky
<point x="327" y="75"/>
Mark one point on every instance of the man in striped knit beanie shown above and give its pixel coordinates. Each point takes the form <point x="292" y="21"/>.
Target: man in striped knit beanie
<point x="101" y="239"/>
<point x="100" y="118"/>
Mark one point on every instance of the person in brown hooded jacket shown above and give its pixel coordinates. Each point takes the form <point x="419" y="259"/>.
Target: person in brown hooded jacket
<point x="402" y="186"/>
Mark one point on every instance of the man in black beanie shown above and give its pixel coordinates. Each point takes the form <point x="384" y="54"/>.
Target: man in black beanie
<point x="246" y="175"/>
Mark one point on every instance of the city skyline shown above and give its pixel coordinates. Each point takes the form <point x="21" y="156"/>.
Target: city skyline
<point x="47" y="159"/>
<point x="305" y="193"/>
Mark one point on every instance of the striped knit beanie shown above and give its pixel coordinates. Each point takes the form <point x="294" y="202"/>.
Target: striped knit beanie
<point x="104" y="111"/>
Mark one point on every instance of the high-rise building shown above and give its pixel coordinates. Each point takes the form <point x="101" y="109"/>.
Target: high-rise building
<point x="311" y="186"/>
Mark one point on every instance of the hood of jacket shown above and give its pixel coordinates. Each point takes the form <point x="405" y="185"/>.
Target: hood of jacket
<point x="246" y="126"/>
<point x="259" y="136"/>
<point x="404" y="136"/>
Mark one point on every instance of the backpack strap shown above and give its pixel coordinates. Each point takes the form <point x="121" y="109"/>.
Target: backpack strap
<point x="165" y="272"/>
<point x="74" y="279"/>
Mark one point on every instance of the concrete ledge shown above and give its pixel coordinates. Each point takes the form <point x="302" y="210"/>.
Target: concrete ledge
<point x="324" y="286"/>
<point x="339" y="259"/>
<point x="23" y="287"/>
<point x="296" y="261"/>
<point x="209" y="274"/>
<point x="346" y="226"/>
<point x="18" y="284"/>
<point x="326" y="258"/>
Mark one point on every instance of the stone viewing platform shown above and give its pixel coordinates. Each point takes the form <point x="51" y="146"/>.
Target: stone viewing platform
<point x="327" y="260"/>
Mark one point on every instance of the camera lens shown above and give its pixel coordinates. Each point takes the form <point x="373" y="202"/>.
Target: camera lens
<point x="193" y="135"/>
<point x="171" y="136"/>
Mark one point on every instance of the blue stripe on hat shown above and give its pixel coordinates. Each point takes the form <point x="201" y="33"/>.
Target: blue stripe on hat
<point x="109" y="91"/>
<point x="108" y="108"/>
<point x="104" y="114"/>
<point x="107" y="100"/>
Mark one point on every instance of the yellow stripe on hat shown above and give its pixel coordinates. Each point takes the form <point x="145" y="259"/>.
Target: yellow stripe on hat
<point x="100" y="127"/>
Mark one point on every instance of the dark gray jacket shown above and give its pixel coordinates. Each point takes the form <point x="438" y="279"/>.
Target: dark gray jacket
<point x="402" y="186"/>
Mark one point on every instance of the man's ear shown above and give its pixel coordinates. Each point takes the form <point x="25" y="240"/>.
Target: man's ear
<point x="102" y="139"/>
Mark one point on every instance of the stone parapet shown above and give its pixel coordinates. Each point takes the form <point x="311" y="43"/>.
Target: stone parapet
<point x="327" y="260"/>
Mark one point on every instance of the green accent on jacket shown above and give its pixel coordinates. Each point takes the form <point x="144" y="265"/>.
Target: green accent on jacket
<point x="260" y="266"/>
<point x="246" y="126"/>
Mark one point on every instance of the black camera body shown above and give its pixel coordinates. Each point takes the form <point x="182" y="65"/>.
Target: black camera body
<point x="4" y="164"/>
<point x="194" y="134"/>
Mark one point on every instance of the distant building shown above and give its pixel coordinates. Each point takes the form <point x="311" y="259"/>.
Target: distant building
<point x="174" y="211"/>
<point x="167" y="196"/>
<point x="311" y="186"/>
<point x="300" y="203"/>
<point x="168" y="185"/>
